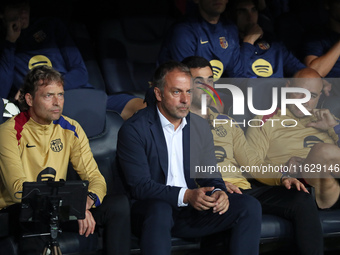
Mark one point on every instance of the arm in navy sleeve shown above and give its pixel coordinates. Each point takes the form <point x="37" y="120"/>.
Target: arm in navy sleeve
<point x="312" y="46"/>
<point x="290" y="63"/>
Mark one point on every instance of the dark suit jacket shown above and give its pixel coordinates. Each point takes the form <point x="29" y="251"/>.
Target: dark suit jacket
<point x="143" y="158"/>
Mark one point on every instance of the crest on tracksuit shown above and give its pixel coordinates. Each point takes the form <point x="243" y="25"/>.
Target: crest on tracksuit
<point x="223" y="42"/>
<point x="263" y="45"/>
<point x="57" y="145"/>
<point x="39" y="36"/>
<point x="221" y="131"/>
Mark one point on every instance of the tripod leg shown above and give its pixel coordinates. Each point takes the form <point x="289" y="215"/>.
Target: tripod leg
<point x="45" y="251"/>
<point x="55" y="250"/>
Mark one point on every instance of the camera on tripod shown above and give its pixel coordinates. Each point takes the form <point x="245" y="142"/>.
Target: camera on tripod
<point x="50" y="201"/>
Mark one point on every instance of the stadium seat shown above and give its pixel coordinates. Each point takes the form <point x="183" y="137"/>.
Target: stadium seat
<point x="122" y="8"/>
<point x="330" y="222"/>
<point x="288" y="26"/>
<point x="85" y="44"/>
<point x="128" y="50"/>
<point x="88" y="107"/>
<point x="101" y="127"/>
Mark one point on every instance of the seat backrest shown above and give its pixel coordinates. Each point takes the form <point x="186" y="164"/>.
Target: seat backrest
<point x="85" y="44"/>
<point x="104" y="151"/>
<point x="88" y="107"/>
<point x="128" y="50"/>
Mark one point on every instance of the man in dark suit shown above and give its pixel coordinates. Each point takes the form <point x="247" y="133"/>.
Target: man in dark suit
<point x="162" y="151"/>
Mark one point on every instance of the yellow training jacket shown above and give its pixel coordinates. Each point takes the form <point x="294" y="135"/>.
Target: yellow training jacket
<point x="231" y="149"/>
<point x="282" y="137"/>
<point x="27" y="148"/>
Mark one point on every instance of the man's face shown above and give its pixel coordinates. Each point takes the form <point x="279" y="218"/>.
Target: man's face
<point x="201" y="76"/>
<point x="47" y="104"/>
<point x="212" y="8"/>
<point x="175" y="100"/>
<point x="19" y="13"/>
<point x="314" y="86"/>
<point x="246" y="15"/>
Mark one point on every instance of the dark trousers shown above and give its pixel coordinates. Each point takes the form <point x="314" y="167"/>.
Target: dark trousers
<point x="113" y="215"/>
<point x="298" y="207"/>
<point x="155" y="222"/>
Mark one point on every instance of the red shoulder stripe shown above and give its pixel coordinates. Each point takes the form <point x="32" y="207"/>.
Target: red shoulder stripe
<point x="266" y="117"/>
<point x="20" y="120"/>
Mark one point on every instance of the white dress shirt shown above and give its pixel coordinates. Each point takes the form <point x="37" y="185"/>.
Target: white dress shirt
<point x="174" y="143"/>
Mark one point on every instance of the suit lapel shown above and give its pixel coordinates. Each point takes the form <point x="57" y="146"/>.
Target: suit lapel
<point x="159" y="140"/>
<point x="186" y="155"/>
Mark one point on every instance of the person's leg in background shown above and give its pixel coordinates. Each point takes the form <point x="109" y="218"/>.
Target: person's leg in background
<point x="114" y="216"/>
<point x="298" y="207"/>
<point x="152" y="222"/>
